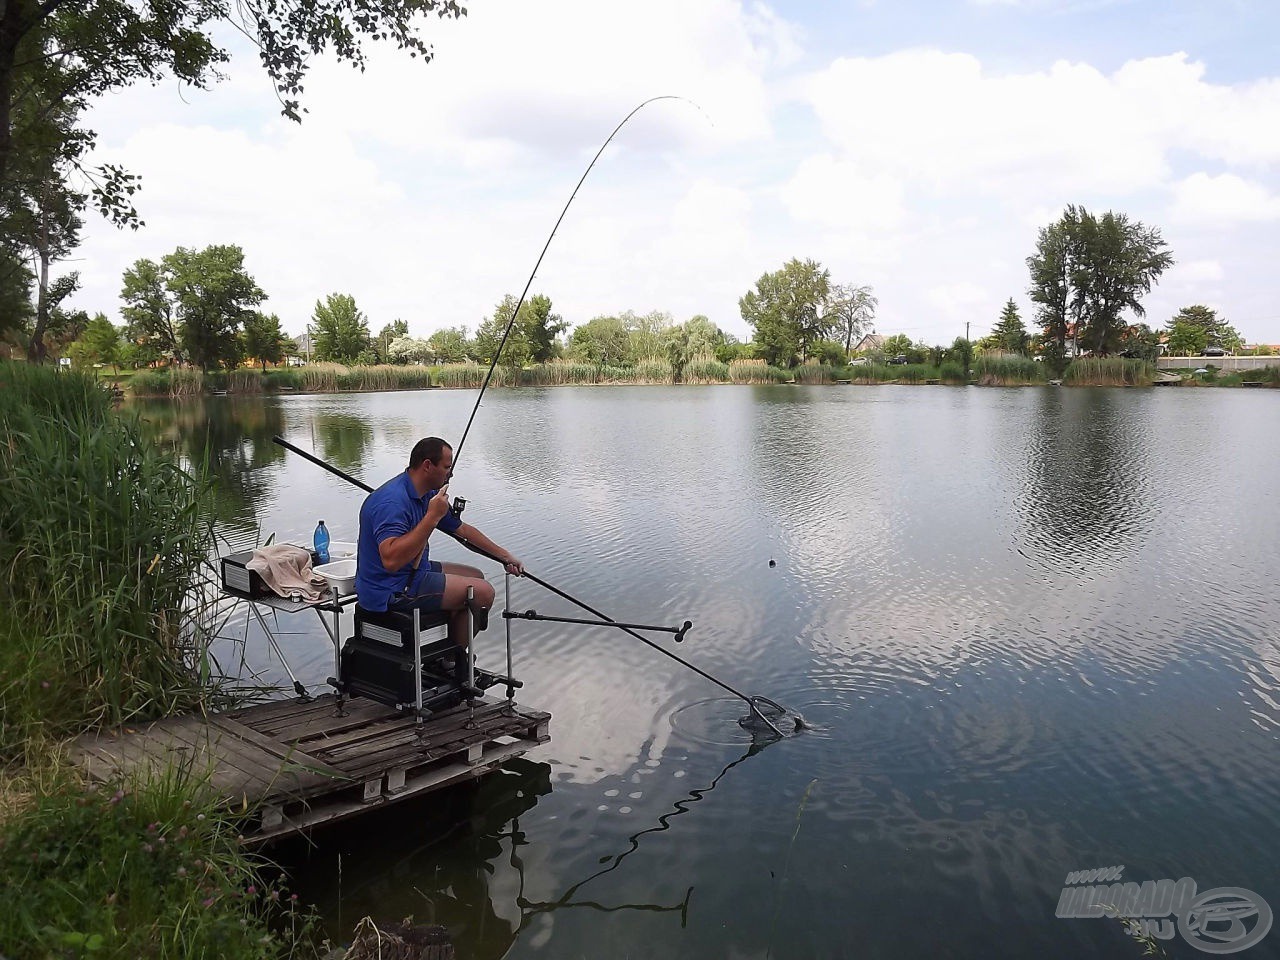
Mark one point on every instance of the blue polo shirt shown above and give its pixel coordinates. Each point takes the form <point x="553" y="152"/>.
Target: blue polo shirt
<point x="390" y="511"/>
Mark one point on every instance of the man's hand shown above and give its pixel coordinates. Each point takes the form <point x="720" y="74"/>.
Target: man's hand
<point x="438" y="505"/>
<point x="513" y="565"/>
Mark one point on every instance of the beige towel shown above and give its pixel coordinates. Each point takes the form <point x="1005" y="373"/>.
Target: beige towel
<point x="286" y="569"/>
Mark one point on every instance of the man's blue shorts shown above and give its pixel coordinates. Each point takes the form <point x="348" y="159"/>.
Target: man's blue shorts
<point x="425" y="591"/>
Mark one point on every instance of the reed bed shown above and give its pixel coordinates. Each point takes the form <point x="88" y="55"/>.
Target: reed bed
<point x="150" y="383"/>
<point x="917" y="373"/>
<point x="558" y="373"/>
<point x="705" y="368"/>
<point x="104" y="541"/>
<point x="385" y="377"/>
<point x="1007" y="371"/>
<point x="1109" y="372"/>
<point x="244" y="380"/>
<point x="321" y="377"/>
<point x="952" y="372"/>
<point x="460" y="375"/>
<point x="654" y="370"/>
<point x="756" y="371"/>
<point x="814" y="373"/>
<point x="184" y="382"/>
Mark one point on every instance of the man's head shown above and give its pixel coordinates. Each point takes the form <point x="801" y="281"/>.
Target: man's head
<point x="431" y="463"/>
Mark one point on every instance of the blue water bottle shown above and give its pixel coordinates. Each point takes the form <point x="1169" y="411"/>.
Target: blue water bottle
<point x="322" y="542"/>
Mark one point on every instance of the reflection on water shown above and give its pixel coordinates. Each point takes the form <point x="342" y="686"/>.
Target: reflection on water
<point x="1034" y="631"/>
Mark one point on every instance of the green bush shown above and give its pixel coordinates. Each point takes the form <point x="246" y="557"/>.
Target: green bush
<point x="125" y="873"/>
<point x="283" y="379"/>
<point x="952" y="371"/>
<point x="104" y="541"/>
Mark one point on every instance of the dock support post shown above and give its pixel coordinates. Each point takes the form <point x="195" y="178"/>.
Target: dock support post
<point x="417" y="669"/>
<point x="511" y="690"/>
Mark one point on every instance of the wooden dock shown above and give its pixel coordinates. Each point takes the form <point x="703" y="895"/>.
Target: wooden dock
<point x="295" y="764"/>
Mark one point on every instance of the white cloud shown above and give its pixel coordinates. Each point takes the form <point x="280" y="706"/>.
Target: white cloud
<point x="836" y="193"/>
<point x="1222" y="200"/>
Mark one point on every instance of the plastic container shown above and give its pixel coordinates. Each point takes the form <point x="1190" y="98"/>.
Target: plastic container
<point x="339" y="574"/>
<point x="321" y="542"/>
<point x="341" y="550"/>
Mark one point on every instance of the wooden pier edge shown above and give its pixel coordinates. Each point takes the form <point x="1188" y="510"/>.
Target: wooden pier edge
<point x="298" y="764"/>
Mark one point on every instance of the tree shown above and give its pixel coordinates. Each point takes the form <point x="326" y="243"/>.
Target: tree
<point x="212" y="298"/>
<point x="600" y="340"/>
<point x="1140" y="342"/>
<point x="851" y="310"/>
<point x="410" y="350"/>
<point x="263" y="339"/>
<point x="533" y="333"/>
<point x="962" y="352"/>
<point x="1187" y="339"/>
<point x="899" y="345"/>
<point x="696" y="337"/>
<point x="1217" y="333"/>
<point x="1089" y="270"/>
<point x="341" y="331"/>
<point x="105" y="45"/>
<point x="647" y="334"/>
<point x="1009" y="333"/>
<point x="148" y="312"/>
<point x="100" y="343"/>
<point x="397" y="328"/>
<point x="787" y="310"/>
<point x="451" y="344"/>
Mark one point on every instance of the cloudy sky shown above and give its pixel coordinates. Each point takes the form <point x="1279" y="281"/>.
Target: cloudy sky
<point x="913" y="145"/>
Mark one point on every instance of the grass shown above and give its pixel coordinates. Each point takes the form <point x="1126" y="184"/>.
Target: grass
<point x="706" y="369"/>
<point x="104" y="543"/>
<point x="1007" y="371"/>
<point x="1108" y="372"/>
<point x="814" y="373"/>
<point x="123" y="872"/>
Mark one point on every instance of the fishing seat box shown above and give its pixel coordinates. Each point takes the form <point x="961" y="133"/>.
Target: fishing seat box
<point x="378" y="661"/>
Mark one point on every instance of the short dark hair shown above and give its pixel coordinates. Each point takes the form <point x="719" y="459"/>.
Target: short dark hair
<point x="428" y="448"/>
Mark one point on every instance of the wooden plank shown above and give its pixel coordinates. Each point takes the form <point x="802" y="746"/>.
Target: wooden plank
<point x="434" y="730"/>
<point x="282" y="750"/>
<point x="401" y="753"/>
<point x="356" y="715"/>
<point x="341" y="808"/>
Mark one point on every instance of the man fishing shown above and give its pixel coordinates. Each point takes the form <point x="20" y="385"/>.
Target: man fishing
<point x="393" y="568"/>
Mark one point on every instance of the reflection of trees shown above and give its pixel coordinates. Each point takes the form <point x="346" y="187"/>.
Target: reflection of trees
<point x="228" y="441"/>
<point x="1084" y="500"/>
<point x="344" y="438"/>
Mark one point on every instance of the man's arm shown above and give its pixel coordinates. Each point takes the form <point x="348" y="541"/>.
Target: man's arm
<point x="397" y="552"/>
<point x="469" y="533"/>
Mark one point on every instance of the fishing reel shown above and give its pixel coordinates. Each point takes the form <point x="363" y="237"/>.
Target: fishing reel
<point x="459" y="504"/>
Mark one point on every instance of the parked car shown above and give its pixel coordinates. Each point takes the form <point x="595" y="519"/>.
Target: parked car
<point x="859" y="362"/>
<point x="899" y="360"/>
<point x="1213" y="352"/>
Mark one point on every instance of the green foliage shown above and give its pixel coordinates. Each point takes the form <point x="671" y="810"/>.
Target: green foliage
<point x="949" y="371"/>
<point x="1010" y="334"/>
<point x="1054" y="357"/>
<point x="264" y="341"/>
<point x="829" y="352"/>
<point x="648" y="335"/>
<point x="100" y="343"/>
<point x="340" y="330"/>
<point x="460" y="375"/>
<point x="1186" y="339"/>
<point x="148" y="311"/>
<point x="812" y="372"/>
<point x="150" y="383"/>
<point x="410" y="350"/>
<point x="1088" y="270"/>
<point x="899" y="345"/>
<point x="600" y="340"/>
<point x="1140" y="342"/>
<point x="1213" y="331"/>
<point x="127" y="872"/>
<point x="451" y="345"/>
<point x="103" y="543"/>
<point x="657" y="370"/>
<point x="213" y="296"/>
<point x="1109" y="372"/>
<point x="532" y="338"/>
<point x="392" y="331"/>
<point x="787" y="312"/>
<point x="962" y="352"/>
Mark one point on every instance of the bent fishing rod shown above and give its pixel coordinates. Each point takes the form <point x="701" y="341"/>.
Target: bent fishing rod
<point x="457" y="451"/>
<point x="752" y="702"/>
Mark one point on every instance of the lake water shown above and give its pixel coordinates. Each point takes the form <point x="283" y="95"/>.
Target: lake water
<point x="1034" y="631"/>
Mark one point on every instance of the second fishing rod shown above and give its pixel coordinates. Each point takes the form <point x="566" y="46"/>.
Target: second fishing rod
<point x="604" y="620"/>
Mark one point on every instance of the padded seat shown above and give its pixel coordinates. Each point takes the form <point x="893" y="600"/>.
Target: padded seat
<point x="392" y="626"/>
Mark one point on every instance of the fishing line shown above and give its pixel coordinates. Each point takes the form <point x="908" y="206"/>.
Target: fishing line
<point x="457" y="451"/>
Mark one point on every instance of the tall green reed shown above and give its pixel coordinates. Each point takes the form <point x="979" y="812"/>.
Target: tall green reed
<point x="1109" y="372"/>
<point x="104" y="567"/>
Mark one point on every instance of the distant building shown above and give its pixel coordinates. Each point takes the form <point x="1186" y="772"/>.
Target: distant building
<point x="870" y="342"/>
